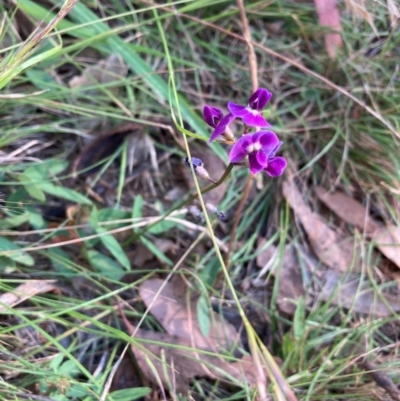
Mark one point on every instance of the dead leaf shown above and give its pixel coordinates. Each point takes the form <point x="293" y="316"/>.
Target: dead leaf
<point x="102" y="147"/>
<point x="290" y="280"/>
<point x="332" y="250"/>
<point x="329" y="16"/>
<point x="388" y="242"/>
<point x="348" y="293"/>
<point x="174" y="367"/>
<point x="349" y="210"/>
<point x="176" y="309"/>
<point x="394" y="13"/>
<point x="26" y="291"/>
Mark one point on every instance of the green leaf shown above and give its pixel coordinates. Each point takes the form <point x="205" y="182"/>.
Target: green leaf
<point x="203" y="315"/>
<point x="128" y="394"/>
<point x="61" y="261"/>
<point x="20" y="256"/>
<point x="105" y="265"/>
<point x="137" y="209"/>
<point x="68" y="368"/>
<point x="32" y="189"/>
<point x="56" y="362"/>
<point x="112" y="214"/>
<point x="64" y="193"/>
<point x="14" y="221"/>
<point x="111" y="243"/>
<point x="47" y="169"/>
<point x="7" y="265"/>
<point x="155" y="251"/>
<point x="299" y="319"/>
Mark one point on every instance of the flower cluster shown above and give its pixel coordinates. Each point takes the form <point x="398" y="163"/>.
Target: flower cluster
<point x="255" y="149"/>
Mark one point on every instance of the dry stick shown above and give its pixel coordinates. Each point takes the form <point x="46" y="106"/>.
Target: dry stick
<point x="250" y="46"/>
<point x="254" y="83"/>
<point x="300" y="67"/>
<point x="381" y="378"/>
<point x="261" y="378"/>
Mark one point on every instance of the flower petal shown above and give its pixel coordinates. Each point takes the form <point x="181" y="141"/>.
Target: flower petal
<point x="212" y="115"/>
<point x="259" y="99"/>
<point x="257" y="161"/>
<point x="276" y="148"/>
<point x="237" y="110"/>
<point x="253" y="118"/>
<point x="239" y="149"/>
<point x="221" y="127"/>
<point x="268" y="141"/>
<point x="276" y="166"/>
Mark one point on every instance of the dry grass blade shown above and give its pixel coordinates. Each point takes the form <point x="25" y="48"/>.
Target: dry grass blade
<point x="26" y="291"/>
<point x="326" y="243"/>
<point x="359" y="10"/>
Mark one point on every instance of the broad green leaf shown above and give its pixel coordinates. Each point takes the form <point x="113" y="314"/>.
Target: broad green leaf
<point x="47" y="169"/>
<point x="68" y="368"/>
<point x="105" y="265"/>
<point x="203" y="315"/>
<point x="14" y="221"/>
<point x="36" y="193"/>
<point x="128" y="394"/>
<point x="61" y="261"/>
<point x="64" y="193"/>
<point x="7" y="265"/>
<point x="111" y="243"/>
<point x="162" y="227"/>
<point x="155" y="251"/>
<point x="112" y="214"/>
<point x="36" y="220"/>
<point x="56" y="362"/>
<point x="19" y="256"/>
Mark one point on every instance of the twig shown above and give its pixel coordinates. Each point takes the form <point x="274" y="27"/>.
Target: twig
<point x="250" y="46"/>
<point x="381" y="378"/>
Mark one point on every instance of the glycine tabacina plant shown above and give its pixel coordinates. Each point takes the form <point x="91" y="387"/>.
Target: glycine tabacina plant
<point x="257" y="147"/>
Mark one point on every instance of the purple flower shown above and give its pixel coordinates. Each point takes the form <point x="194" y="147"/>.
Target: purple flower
<point x="214" y="118"/>
<point x="260" y="148"/>
<point x="212" y="115"/>
<point x="250" y="114"/>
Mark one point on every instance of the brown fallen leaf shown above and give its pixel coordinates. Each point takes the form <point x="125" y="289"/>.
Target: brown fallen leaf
<point x="329" y="16"/>
<point x="162" y="362"/>
<point x="176" y="309"/>
<point x="387" y="239"/>
<point x="26" y="291"/>
<point x="102" y="147"/>
<point x="290" y="280"/>
<point x="347" y="208"/>
<point x="332" y="250"/>
<point x="347" y="292"/>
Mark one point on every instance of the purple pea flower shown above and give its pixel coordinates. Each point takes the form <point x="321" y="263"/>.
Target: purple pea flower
<point x="215" y="119"/>
<point x="250" y="114"/>
<point x="260" y="148"/>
